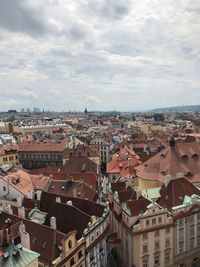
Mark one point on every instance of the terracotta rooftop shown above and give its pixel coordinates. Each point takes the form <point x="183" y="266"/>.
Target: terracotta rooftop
<point x="8" y="149"/>
<point x="79" y="164"/>
<point x="68" y="218"/>
<point x="138" y="206"/>
<point x="73" y="188"/>
<point x="44" y="239"/>
<point x="25" y="183"/>
<point x="80" y="150"/>
<point x="89" y="178"/>
<point x="118" y="186"/>
<point x="88" y="207"/>
<point x="182" y="157"/>
<point x="173" y="194"/>
<point x="123" y="163"/>
<point x="45" y="146"/>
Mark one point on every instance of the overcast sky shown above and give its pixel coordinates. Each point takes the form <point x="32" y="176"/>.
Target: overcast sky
<point x="100" y="54"/>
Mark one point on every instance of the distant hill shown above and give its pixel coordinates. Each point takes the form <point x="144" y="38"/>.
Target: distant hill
<point x="193" y="108"/>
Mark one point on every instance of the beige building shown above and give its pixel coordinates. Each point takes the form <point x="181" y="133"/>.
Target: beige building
<point x="73" y="252"/>
<point x="9" y="155"/>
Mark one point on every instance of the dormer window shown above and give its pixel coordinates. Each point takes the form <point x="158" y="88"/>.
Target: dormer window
<point x="70" y="244"/>
<point x="195" y="156"/>
<point x="188" y="175"/>
<point x="184" y="157"/>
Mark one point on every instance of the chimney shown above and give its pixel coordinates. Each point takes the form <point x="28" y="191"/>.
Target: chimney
<point x="179" y="175"/>
<point x="1" y="237"/>
<point x="168" y="178"/>
<point x="9" y="209"/>
<point x="172" y="142"/>
<point x="74" y="192"/>
<point x="21" y="212"/>
<point x="30" y="194"/>
<point x="69" y="203"/>
<point x="138" y="193"/>
<point x="19" y="201"/>
<point x="53" y="222"/>
<point x="38" y="193"/>
<point x="25" y="239"/>
<point x="131" y="147"/>
<point x="58" y="199"/>
<point x="7" y="236"/>
<point x="22" y="228"/>
<point x="145" y="148"/>
<point x="129" y="162"/>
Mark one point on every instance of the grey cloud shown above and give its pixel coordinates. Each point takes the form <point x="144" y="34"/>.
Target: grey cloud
<point x="110" y="9"/>
<point x="17" y="16"/>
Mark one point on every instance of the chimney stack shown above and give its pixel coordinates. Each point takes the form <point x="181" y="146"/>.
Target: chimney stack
<point x="74" y="192"/>
<point x="19" y="201"/>
<point x="21" y="212"/>
<point x="25" y="239"/>
<point x="168" y="178"/>
<point x="172" y="142"/>
<point x="30" y="194"/>
<point x="53" y="222"/>
<point x="58" y="199"/>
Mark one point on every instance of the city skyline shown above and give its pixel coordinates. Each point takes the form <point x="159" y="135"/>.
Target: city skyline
<point x="103" y="55"/>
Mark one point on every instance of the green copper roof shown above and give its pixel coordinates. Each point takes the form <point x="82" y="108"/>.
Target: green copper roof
<point x="151" y="193"/>
<point x="17" y="256"/>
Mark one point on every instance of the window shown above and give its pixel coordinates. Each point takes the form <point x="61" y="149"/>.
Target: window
<point x="181" y="247"/>
<point x="181" y="234"/>
<point x="192" y="243"/>
<point x="156" y="233"/>
<point x="167" y="242"/>
<point x="198" y="240"/>
<point x="180" y="223"/>
<point x="92" y="255"/>
<point x="4" y="188"/>
<point x="157" y="245"/>
<point x="72" y="262"/>
<point x="145" y="248"/>
<point x="147" y="222"/>
<point x="145" y="236"/>
<point x="154" y="221"/>
<point x="191" y="230"/>
<point x="100" y="246"/>
<point x="145" y="263"/>
<point x="70" y="244"/>
<point x="156" y="259"/>
<point x="167" y="256"/>
<point x="80" y="254"/>
<point x="160" y="219"/>
<point x="167" y="231"/>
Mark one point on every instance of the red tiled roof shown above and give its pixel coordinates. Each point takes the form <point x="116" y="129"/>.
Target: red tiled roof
<point x="174" y="193"/>
<point x="8" y="148"/>
<point x="44" y="239"/>
<point x="89" y="207"/>
<point x="68" y="188"/>
<point x="184" y="158"/>
<point x="126" y="195"/>
<point x="118" y="186"/>
<point x="24" y="182"/>
<point x="138" y="206"/>
<point x="48" y="146"/>
<point x="68" y="218"/>
<point x="123" y="163"/>
<point x="80" y="150"/>
<point x="79" y="164"/>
